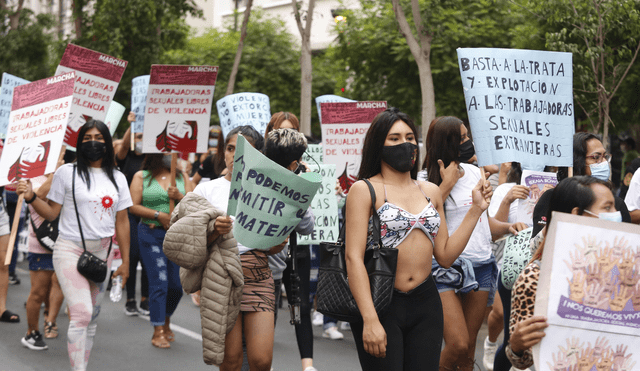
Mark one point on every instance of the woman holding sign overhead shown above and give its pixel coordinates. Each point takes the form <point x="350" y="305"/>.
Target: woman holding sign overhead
<point x="151" y="192"/>
<point x="409" y="337"/>
<point x="102" y="196"/>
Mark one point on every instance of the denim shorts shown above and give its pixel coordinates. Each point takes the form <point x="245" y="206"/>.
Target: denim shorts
<point x="486" y="274"/>
<point x="40" y="262"/>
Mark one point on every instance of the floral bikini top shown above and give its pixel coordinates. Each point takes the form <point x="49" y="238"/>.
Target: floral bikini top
<point x="396" y="223"/>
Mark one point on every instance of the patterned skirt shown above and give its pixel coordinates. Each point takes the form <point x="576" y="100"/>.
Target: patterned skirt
<point x="258" y="294"/>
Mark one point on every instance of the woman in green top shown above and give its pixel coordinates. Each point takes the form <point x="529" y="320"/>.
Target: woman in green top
<point x="151" y="191"/>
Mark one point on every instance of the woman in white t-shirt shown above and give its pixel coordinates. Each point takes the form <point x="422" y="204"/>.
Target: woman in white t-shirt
<point x="102" y="197"/>
<point x="464" y="296"/>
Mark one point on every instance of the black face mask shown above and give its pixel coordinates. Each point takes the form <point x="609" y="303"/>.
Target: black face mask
<point x="93" y="150"/>
<point x="467" y="150"/>
<point x="401" y="157"/>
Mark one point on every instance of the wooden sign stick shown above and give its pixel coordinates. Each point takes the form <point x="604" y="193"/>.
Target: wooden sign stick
<point x="14" y="230"/>
<point x="174" y="165"/>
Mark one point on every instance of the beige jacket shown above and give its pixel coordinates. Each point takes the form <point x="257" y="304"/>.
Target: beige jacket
<point x="215" y="270"/>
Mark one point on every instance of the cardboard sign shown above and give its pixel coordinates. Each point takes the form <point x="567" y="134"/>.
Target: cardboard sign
<point x="39" y="115"/>
<point x="139" y="88"/>
<point x="589" y="291"/>
<point x="178" y="109"/>
<point x="267" y="200"/>
<point x="6" y="96"/>
<point x="344" y="126"/>
<point x="325" y="208"/>
<point x="330" y="98"/>
<point x="244" y="109"/>
<point x="538" y="182"/>
<point x="114" y="115"/>
<point x="520" y="105"/>
<point x="97" y="79"/>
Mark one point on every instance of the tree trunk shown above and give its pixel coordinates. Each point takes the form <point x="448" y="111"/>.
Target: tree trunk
<point x="60" y="25"/>
<point x="77" y="17"/>
<point x="306" y="80"/>
<point x="14" y="17"/>
<point x="428" y="95"/>
<point x="306" y="68"/>
<point x="236" y="61"/>
<point x="605" y="134"/>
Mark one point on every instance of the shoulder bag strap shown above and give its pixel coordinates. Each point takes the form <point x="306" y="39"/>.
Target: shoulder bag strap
<point x="375" y="216"/>
<point x="75" y="205"/>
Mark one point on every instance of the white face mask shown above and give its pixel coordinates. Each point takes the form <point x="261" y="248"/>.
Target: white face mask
<point x="615" y="216"/>
<point x="600" y="170"/>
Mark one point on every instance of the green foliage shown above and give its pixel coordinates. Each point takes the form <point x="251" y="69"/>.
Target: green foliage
<point x="138" y="31"/>
<point x="381" y="66"/>
<point x="24" y="52"/>
<point x="269" y="65"/>
<point x="602" y="35"/>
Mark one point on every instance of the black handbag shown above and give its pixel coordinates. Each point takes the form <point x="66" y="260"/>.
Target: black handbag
<point x="89" y="265"/>
<point x="46" y="233"/>
<point x="334" y="298"/>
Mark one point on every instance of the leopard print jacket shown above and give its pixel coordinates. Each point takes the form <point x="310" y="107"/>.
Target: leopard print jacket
<point x="523" y="298"/>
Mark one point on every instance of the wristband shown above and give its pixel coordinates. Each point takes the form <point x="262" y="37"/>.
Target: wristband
<point x="32" y="198"/>
<point x="156" y="215"/>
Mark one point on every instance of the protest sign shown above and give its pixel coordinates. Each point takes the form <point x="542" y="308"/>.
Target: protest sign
<point x="114" y="115"/>
<point x="244" y="109"/>
<point x="6" y="96"/>
<point x="139" y="88"/>
<point x="589" y="291"/>
<point x="313" y="154"/>
<point x="97" y="79"/>
<point x="538" y="182"/>
<point x="520" y="105"/>
<point x="39" y="116"/>
<point x="178" y="109"/>
<point x="344" y="126"/>
<point x="330" y="98"/>
<point x="267" y="200"/>
<point x="325" y="208"/>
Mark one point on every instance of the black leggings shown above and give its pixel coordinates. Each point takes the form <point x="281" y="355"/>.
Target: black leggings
<point x="501" y="362"/>
<point x="134" y="258"/>
<point x="304" y="332"/>
<point x="414" y="329"/>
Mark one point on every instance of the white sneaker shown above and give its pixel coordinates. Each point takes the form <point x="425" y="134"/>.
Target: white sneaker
<point x="489" y="354"/>
<point x="310" y="368"/>
<point x="345" y="326"/>
<point x="332" y="333"/>
<point x="517" y="369"/>
<point x="318" y="319"/>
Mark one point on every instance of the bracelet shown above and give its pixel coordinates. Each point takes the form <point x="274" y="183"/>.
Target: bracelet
<point x="156" y="215"/>
<point x="32" y="198"/>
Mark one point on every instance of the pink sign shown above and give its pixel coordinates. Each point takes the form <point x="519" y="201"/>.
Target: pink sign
<point x="39" y="116"/>
<point x="93" y="63"/>
<point x="97" y="79"/>
<point x="344" y="126"/>
<point x="178" y="109"/>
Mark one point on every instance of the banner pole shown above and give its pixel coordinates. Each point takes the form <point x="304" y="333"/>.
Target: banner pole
<point x="132" y="137"/>
<point x="14" y="230"/>
<point x="570" y="172"/>
<point x="174" y="165"/>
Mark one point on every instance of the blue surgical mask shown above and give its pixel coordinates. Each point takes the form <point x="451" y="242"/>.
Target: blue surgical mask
<point x="614" y="216"/>
<point x="600" y="170"/>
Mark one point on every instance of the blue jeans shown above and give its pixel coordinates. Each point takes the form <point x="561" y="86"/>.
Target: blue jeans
<point x="134" y="258"/>
<point x="165" y="289"/>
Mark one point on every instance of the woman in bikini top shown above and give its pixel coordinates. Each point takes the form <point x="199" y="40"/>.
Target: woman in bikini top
<point x="410" y="222"/>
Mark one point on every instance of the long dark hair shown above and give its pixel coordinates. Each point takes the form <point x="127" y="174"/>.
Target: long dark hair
<point x="153" y="163"/>
<point x="443" y="143"/>
<point x="579" y="155"/>
<point x="370" y="164"/>
<point x="249" y="133"/>
<point x="568" y="194"/>
<point x="515" y="173"/>
<point x="108" y="161"/>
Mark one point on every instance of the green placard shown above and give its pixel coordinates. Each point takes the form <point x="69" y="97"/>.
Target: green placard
<point x="325" y="208"/>
<point x="267" y="200"/>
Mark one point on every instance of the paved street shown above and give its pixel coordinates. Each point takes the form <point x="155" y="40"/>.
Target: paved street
<point x="124" y="343"/>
